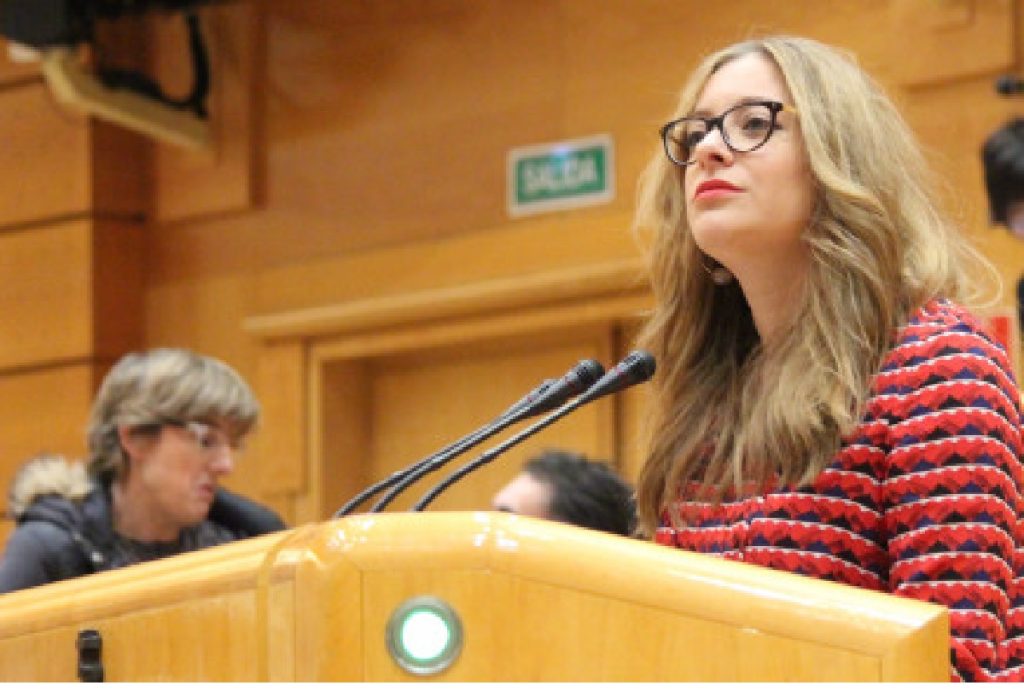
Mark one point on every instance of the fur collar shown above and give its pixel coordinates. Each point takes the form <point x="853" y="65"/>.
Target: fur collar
<point x="46" y="475"/>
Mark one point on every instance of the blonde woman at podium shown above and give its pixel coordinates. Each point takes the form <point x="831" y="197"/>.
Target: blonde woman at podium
<point x="165" y="427"/>
<point x="825" y="403"/>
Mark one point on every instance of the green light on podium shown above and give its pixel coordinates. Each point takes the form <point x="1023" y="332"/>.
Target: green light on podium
<point x="424" y="635"/>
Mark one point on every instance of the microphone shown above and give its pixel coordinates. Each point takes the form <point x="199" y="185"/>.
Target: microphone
<point x="372" y="490"/>
<point x="587" y="371"/>
<point x="529" y="398"/>
<point x="637" y="367"/>
<point x="576" y="380"/>
<point x="579" y="378"/>
<point x="473" y="438"/>
<point x="1009" y="85"/>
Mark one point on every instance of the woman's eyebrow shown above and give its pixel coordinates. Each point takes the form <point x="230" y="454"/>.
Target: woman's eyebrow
<point x="742" y="100"/>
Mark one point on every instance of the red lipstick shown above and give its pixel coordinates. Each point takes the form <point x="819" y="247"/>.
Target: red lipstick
<point x="715" y="186"/>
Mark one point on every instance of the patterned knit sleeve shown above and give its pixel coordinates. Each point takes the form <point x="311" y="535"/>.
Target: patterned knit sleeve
<point x="952" y="487"/>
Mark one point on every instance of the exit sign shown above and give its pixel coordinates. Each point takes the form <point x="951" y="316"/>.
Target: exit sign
<point x="560" y="176"/>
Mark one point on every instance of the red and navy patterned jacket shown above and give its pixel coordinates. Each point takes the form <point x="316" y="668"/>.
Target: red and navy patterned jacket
<point x="923" y="500"/>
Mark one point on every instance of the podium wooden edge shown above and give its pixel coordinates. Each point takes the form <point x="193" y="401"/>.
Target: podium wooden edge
<point x="745" y="596"/>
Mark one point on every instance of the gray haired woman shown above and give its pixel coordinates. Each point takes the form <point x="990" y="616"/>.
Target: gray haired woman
<point x="166" y="425"/>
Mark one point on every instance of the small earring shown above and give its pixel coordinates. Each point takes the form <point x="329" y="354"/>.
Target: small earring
<point x="720" y="275"/>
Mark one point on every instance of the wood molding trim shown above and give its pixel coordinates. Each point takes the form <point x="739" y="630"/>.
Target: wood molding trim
<point x="304" y="350"/>
<point x="441" y="305"/>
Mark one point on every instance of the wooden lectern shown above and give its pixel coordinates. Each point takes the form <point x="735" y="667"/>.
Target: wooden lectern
<point x="537" y="601"/>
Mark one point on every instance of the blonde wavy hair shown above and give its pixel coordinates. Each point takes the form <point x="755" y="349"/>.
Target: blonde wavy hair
<point x="729" y="411"/>
<point x="167" y="385"/>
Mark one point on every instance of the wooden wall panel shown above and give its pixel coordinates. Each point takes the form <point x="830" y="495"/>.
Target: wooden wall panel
<point x="281" y="450"/>
<point x="119" y="175"/>
<point x="951" y="40"/>
<point x="57" y="164"/>
<point x="423" y="401"/>
<point x="420" y="95"/>
<point x="45" y="161"/>
<point x="54" y="281"/>
<point x="341" y="434"/>
<point x="116" y="274"/>
<point x="344" y="85"/>
<point x="560" y="241"/>
<point x="46" y="299"/>
<point x="206" y="316"/>
<point x="44" y="411"/>
<point x="46" y="295"/>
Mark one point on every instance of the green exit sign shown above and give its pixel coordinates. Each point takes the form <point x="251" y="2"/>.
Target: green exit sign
<point x="559" y="176"/>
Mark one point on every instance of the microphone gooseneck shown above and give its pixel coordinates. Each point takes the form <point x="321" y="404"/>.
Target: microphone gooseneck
<point x="454" y="448"/>
<point x="576" y="381"/>
<point x="546" y="396"/>
<point x="637" y="367"/>
<point x="374" y="489"/>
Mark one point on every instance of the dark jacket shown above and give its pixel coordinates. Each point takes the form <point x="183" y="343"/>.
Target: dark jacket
<point x="62" y="534"/>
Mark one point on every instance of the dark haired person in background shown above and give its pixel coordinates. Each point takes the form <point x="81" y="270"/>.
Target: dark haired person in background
<point x="1003" y="158"/>
<point x="569" y="488"/>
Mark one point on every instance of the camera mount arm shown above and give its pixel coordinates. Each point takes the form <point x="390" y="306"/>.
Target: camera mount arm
<point x="72" y="85"/>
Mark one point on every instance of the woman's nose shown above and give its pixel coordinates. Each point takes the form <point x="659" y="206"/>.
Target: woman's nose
<point x="712" y="148"/>
<point x="223" y="462"/>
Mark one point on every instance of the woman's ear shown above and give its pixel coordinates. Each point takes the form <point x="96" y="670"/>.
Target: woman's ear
<point x="135" y="445"/>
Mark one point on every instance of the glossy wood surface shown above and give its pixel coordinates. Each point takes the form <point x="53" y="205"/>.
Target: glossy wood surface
<point x="193" y="617"/>
<point x="538" y="601"/>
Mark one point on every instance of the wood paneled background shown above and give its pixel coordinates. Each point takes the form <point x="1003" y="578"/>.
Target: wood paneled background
<point x="345" y="244"/>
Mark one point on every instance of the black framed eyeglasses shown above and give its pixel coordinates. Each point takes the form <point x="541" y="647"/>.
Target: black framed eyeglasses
<point x="744" y="127"/>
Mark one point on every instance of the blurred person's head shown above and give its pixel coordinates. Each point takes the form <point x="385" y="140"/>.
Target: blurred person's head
<point x="569" y="488"/>
<point x="165" y="427"/>
<point x="1003" y="158"/>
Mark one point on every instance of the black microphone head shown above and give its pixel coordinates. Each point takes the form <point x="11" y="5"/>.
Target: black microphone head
<point x="640" y="365"/>
<point x="586" y="373"/>
<point x="577" y="380"/>
<point x="635" y="368"/>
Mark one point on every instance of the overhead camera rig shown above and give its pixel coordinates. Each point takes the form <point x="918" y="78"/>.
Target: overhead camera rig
<point x="53" y="30"/>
